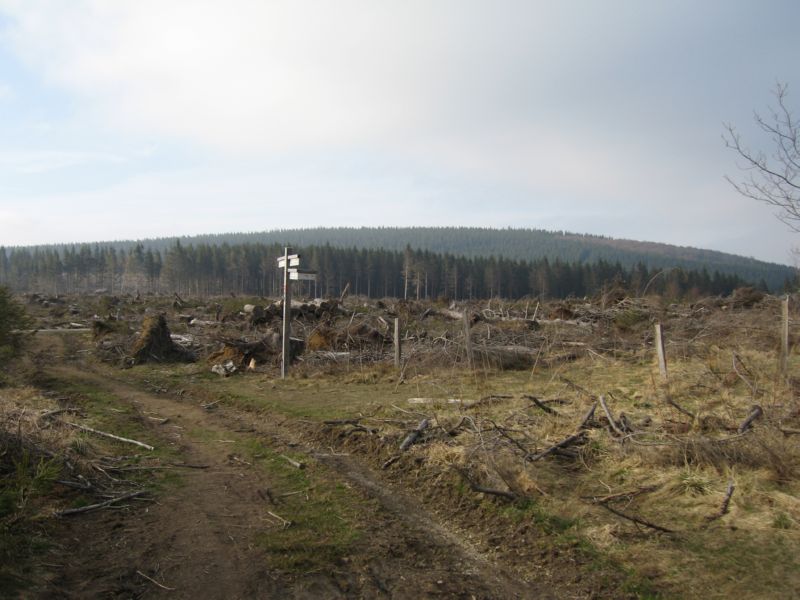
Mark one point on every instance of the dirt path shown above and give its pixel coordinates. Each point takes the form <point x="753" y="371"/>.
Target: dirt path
<point x="200" y="537"/>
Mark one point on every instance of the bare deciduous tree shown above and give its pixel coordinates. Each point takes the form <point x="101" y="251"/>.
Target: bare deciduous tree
<point x="774" y="177"/>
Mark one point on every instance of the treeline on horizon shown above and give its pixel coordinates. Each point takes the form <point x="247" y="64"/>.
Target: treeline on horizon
<point x="511" y="243"/>
<point x="251" y="269"/>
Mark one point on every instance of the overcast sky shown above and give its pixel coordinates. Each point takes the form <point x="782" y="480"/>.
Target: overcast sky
<point x="167" y="117"/>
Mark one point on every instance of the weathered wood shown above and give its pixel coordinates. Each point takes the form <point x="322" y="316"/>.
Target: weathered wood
<point x="784" y="358"/>
<point x="468" y="342"/>
<point x="726" y="502"/>
<point x="398" y="349"/>
<point x="481" y="489"/>
<point x="633" y="519"/>
<point x="287" y="316"/>
<point x="414" y="435"/>
<point x="612" y="423"/>
<point x="755" y="413"/>
<point x="572" y="439"/>
<point x="91" y="507"/>
<point x="540" y="404"/>
<point x="662" y="356"/>
<point x="588" y="416"/>
<point x="293" y="462"/>
<point x="111" y="436"/>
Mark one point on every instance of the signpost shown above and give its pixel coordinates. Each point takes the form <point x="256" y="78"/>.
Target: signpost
<point x="290" y="263"/>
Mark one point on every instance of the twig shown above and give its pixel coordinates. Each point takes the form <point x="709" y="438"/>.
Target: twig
<point x="83" y="509"/>
<point x="52" y="413"/>
<point x="110" y="435"/>
<point x="726" y="502"/>
<point x="286" y="524"/>
<point x="631" y="494"/>
<point x="151" y="580"/>
<point x="637" y="520"/>
<point x="390" y="462"/>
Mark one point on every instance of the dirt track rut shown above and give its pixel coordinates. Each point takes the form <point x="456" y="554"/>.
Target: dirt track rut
<point x="199" y="537"/>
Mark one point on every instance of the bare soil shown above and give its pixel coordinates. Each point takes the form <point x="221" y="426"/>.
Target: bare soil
<point x="200" y="537"/>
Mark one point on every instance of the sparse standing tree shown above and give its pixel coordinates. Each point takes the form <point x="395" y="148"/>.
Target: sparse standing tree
<point x="774" y="177"/>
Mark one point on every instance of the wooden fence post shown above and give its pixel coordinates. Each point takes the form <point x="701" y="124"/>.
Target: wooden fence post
<point x="784" y="358"/>
<point x="467" y="339"/>
<point x="662" y="357"/>
<point x="398" y="350"/>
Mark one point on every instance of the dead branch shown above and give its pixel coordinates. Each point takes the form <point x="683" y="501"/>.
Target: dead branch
<point x="390" y="462"/>
<point x="633" y="519"/>
<point x="286" y="524"/>
<point x="480" y="489"/>
<point x="609" y="416"/>
<point x="629" y="495"/>
<point x="574" y="438"/>
<point x="726" y="502"/>
<point x="540" y="404"/>
<point x="412" y="437"/>
<point x="151" y="580"/>
<point x="343" y="421"/>
<point x="588" y="416"/>
<point x="109" y="502"/>
<point x="110" y="435"/>
<point x="52" y="413"/>
<point x="678" y="407"/>
<point x="755" y="413"/>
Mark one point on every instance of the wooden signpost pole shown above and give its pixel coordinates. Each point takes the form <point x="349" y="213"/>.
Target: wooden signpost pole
<point x="287" y="316"/>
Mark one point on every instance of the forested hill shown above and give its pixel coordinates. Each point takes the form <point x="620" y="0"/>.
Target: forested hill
<point x="514" y="244"/>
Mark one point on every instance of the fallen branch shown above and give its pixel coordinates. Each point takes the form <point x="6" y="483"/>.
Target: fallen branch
<point x="480" y="489"/>
<point x="110" y="435"/>
<point x="52" y="413"/>
<point x="588" y="416"/>
<point x="390" y="462"/>
<point x="574" y="438"/>
<point x="630" y="494"/>
<point x="343" y="421"/>
<point x="540" y="404"/>
<point x="726" y="502"/>
<point x="755" y="413"/>
<point x="286" y="524"/>
<point x="151" y="580"/>
<point x="109" y="502"/>
<point x="637" y="520"/>
<point x="609" y="416"/>
<point x="414" y="435"/>
<point x="678" y="407"/>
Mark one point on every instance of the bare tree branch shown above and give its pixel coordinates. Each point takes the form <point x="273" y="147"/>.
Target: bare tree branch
<point x="773" y="179"/>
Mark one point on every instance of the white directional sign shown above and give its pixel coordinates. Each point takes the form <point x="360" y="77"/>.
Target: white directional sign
<point x="298" y="275"/>
<point x="294" y="261"/>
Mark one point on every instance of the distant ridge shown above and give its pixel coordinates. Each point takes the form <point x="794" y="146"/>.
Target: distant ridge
<point x="517" y="244"/>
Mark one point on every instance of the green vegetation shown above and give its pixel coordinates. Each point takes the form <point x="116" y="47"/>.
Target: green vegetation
<point x="13" y="318"/>
<point x="418" y="263"/>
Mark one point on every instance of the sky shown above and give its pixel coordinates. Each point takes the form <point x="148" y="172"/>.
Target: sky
<point x="145" y="118"/>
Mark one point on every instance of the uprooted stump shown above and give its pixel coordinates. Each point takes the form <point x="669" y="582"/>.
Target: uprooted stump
<point x="242" y="352"/>
<point x="155" y="343"/>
